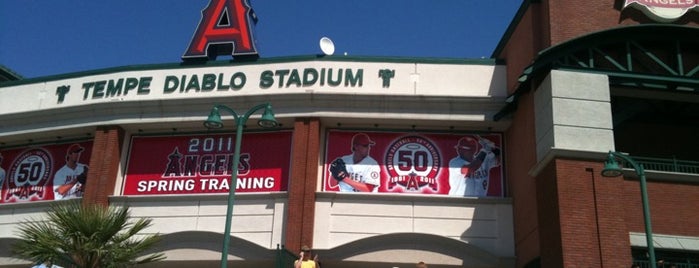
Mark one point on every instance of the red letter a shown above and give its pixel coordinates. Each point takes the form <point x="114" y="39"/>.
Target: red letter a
<point x="225" y="27"/>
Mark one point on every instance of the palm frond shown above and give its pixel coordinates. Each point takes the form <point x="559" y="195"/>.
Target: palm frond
<point x="86" y="236"/>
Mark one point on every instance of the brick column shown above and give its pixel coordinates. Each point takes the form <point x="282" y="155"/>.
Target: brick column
<point x="303" y="183"/>
<point x="104" y="165"/>
<point x="581" y="216"/>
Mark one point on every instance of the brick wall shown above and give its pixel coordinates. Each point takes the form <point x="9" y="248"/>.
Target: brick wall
<point x="587" y="218"/>
<point x="570" y="18"/>
<point x="673" y="207"/>
<point x="302" y="184"/>
<point x="565" y="227"/>
<point x="104" y="165"/>
<point x="525" y="42"/>
<point x="581" y="216"/>
<point x="551" y="247"/>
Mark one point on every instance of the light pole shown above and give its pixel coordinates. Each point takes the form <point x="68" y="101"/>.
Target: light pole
<point x="214" y="122"/>
<point x="612" y="169"/>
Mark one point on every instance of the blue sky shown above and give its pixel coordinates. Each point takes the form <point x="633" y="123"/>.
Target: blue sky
<point x="40" y="38"/>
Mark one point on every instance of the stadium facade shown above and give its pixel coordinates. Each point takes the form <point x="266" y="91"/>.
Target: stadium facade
<point x="569" y="82"/>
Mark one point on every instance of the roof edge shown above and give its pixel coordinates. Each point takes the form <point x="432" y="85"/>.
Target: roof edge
<point x="7" y="74"/>
<point x="511" y="28"/>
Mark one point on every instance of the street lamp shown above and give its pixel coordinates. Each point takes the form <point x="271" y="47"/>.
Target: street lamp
<point x="612" y="169"/>
<point x="214" y="122"/>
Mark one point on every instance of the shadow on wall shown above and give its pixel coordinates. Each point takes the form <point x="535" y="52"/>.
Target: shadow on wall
<point x="482" y="232"/>
<point x="203" y="249"/>
<point x="373" y="252"/>
<point x="6" y="253"/>
<point x="213" y="242"/>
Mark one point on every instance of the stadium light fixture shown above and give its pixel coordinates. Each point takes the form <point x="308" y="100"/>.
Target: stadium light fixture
<point x="214" y="122"/>
<point x="612" y="169"/>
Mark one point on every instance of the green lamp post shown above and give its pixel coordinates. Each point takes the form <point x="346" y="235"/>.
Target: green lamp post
<point x="612" y="169"/>
<point x="214" y="122"/>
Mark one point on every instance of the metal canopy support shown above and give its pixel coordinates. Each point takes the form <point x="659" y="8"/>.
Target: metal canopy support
<point x="645" y="56"/>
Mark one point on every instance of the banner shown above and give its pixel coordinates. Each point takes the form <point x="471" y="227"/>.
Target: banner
<point x="416" y="163"/>
<point x="43" y="173"/>
<point x="204" y="164"/>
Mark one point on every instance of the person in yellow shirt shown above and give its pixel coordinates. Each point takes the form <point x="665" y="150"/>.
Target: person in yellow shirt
<point x="305" y="261"/>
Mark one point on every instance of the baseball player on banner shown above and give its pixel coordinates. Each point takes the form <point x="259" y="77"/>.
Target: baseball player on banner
<point x="2" y="174"/>
<point x="469" y="171"/>
<point x="356" y="172"/>
<point x="70" y="180"/>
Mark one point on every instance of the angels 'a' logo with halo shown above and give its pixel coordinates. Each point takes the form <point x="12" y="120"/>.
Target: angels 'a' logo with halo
<point x="413" y="163"/>
<point x="663" y="10"/>
<point x="29" y="175"/>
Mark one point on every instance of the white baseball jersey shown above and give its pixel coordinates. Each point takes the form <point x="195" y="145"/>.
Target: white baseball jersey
<point x="366" y="171"/>
<point x="475" y="185"/>
<point x="64" y="176"/>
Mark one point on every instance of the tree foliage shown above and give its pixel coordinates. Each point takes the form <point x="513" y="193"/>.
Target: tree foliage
<point x="89" y="236"/>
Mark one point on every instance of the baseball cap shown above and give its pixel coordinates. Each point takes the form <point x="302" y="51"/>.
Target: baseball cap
<point x="305" y="248"/>
<point x="362" y="139"/>
<point x="75" y="148"/>
<point x="467" y="143"/>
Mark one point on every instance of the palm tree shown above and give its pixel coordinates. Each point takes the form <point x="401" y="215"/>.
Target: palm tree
<point x="88" y="236"/>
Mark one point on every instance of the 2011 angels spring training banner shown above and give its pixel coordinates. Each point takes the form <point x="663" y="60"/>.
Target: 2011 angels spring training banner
<point x="203" y="164"/>
<point x="419" y="163"/>
<point x="43" y="173"/>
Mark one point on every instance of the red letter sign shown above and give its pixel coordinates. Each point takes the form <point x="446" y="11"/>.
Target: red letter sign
<point x="225" y="27"/>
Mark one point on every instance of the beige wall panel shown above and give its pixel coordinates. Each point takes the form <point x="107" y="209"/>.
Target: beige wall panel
<point x="469" y="80"/>
<point x="12" y="214"/>
<point x="453" y="212"/>
<point x="573" y="112"/>
<point x="484" y="223"/>
<point x="165" y="209"/>
<point x="463" y="228"/>
<point x="370" y="225"/>
<point x="384" y="209"/>
<point x="166" y="225"/>
<point x="257" y="218"/>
